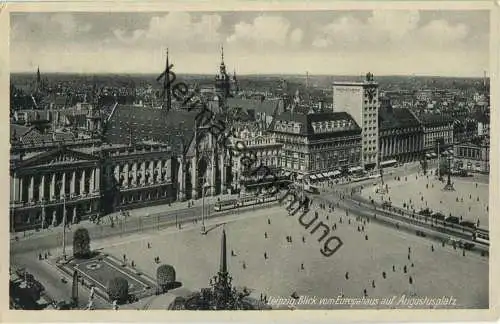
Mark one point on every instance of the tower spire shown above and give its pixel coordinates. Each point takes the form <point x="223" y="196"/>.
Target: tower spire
<point x="167" y="83"/>
<point x="222" y="53"/>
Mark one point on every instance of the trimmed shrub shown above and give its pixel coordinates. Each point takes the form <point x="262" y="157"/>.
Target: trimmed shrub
<point x="118" y="290"/>
<point x="81" y="243"/>
<point x="165" y="276"/>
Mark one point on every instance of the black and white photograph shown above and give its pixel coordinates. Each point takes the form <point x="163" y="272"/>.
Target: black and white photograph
<point x="250" y="160"/>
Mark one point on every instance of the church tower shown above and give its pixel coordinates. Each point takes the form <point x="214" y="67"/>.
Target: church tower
<point x="222" y="80"/>
<point x="93" y="113"/>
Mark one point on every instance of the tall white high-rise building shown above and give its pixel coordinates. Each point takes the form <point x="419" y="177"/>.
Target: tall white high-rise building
<point x="361" y="101"/>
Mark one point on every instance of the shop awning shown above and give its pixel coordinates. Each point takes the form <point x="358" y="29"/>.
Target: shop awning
<point x="428" y="155"/>
<point x="336" y="173"/>
<point x="287" y="174"/>
<point x="300" y="176"/>
<point x="319" y="176"/>
<point x="312" y="177"/>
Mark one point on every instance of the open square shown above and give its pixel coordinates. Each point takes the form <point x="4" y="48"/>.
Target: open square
<point x="300" y="267"/>
<point x="469" y="200"/>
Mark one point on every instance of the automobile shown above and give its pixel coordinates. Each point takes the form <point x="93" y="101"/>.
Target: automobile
<point x="425" y="212"/>
<point x="468" y="224"/>
<point x="421" y="234"/>
<point x="438" y="216"/>
<point x="468" y="246"/>
<point x="452" y="220"/>
<point x="386" y="204"/>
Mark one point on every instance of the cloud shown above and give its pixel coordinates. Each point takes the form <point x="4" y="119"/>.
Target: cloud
<point x="264" y="31"/>
<point x="389" y="29"/>
<point x="296" y="36"/>
<point x="175" y="29"/>
<point x="38" y="26"/>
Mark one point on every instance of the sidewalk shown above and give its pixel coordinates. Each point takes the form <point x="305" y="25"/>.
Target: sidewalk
<point x="133" y="213"/>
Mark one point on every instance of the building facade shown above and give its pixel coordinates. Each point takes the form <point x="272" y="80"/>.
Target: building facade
<point x="360" y="100"/>
<point x="318" y="143"/>
<point x="401" y="135"/>
<point x="473" y="155"/>
<point x="438" y="131"/>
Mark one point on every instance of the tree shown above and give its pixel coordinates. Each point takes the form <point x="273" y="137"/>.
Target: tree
<point x="165" y="276"/>
<point x="81" y="243"/>
<point x="118" y="289"/>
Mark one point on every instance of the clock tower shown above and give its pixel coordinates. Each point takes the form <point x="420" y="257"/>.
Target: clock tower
<point x="360" y="100"/>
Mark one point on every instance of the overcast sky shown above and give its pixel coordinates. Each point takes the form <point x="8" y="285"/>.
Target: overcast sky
<point x="447" y="43"/>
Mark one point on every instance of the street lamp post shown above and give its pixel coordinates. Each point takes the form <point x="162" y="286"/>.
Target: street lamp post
<point x="203" y="229"/>
<point x="64" y="228"/>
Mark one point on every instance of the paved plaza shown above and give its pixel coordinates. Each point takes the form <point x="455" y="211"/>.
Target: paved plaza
<point x="196" y="259"/>
<point x="469" y="200"/>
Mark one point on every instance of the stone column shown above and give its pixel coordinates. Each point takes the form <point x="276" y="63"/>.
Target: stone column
<point x="63" y="185"/>
<point x="125" y="176"/>
<point x="143" y="170"/>
<point x="168" y="168"/>
<point x="72" y="184"/>
<point x="82" y="183"/>
<point x="92" y="182"/>
<point x="43" y="217"/>
<point x="53" y="187"/>
<point x="17" y="187"/>
<point x="54" y="218"/>
<point x="73" y="219"/>
<point x="222" y="174"/>
<point x="97" y="179"/>
<point x="181" y="179"/>
<point x="31" y="188"/>
<point x="41" y="192"/>
<point x="194" y="178"/>
<point x="134" y="179"/>
<point x="151" y="172"/>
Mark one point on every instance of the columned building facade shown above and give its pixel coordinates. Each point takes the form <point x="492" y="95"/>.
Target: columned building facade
<point x="401" y="135"/>
<point x="52" y="185"/>
<point x="438" y="131"/>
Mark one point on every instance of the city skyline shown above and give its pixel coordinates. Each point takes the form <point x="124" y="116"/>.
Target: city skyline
<point x="326" y="43"/>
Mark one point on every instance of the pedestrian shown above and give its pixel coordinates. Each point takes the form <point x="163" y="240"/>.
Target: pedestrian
<point x="39" y="256"/>
<point x="265" y="255"/>
<point x="366" y="237"/>
<point x="432" y="248"/>
<point x="347" y="275"/>
<point x="244" y="265"/>
<point x="303" y="239"/>
<point x="383" y="274"/>
<point x="132" y="264"/>
<point x="359" y="229"/>
<point x="410" y="280"/>
<point x="302" y="266"/>
<point x="124" y="258"/>
<point x="232" y="253"/>
<point x="409" y="250"/>
<point x="45" y="255"/>
<point x="364" y="292"/>
<point x="268" y="221"/>
<point x="149" y="245"/>
<point x="405" y="269"/>
<point x="393" y="268"/>
<point x="463" y="252"/>
<point x="373" y="283"/>
<point x="408" y="257"/>
<point x="265" y="234"/>
<point x="362" y="228"/>
<point x="412" y="265"/>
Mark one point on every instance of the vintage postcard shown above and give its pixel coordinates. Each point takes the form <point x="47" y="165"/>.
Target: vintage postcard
<point x="250" y="156"/>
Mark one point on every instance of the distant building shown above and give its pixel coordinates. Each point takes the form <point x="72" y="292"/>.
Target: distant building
<point x="473" y="155"/>
<point x="401" y="135"/>
<point x="361" y="101"/>
<point x="318" y="144"/>
<point x="438" y="131"/>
